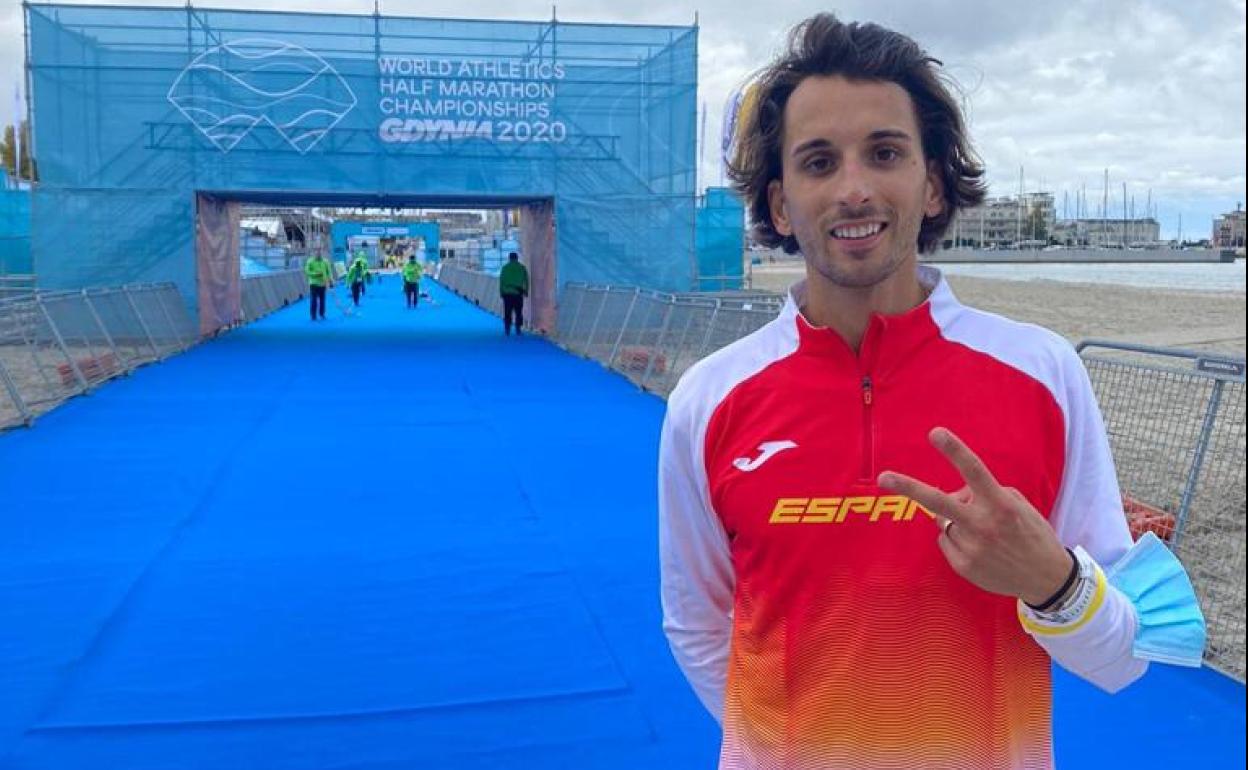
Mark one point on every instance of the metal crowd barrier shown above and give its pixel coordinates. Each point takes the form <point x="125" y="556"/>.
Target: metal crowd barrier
<point x="1175" y="418"/>
<point x="264" y="294"/>
<point x="652" y="337"/>
<point x="59" y="344"/>
<point x="14" y="285"/>
<point x="479" y="287"/>
<point x="1176" y="424"/>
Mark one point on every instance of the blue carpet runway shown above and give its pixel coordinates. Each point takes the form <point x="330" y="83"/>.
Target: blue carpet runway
<point x="394" y="540"/>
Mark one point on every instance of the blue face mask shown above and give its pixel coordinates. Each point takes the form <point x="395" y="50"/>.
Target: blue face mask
<point x="1171" y="627"/>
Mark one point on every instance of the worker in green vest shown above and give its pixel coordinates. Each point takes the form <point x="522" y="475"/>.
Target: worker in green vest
<point x="356" y="274"/>
<point x="513" y="285"/>
<point x="411" y="281"/>
<point x="362" y="256"/>
<point x="319" y="277"/>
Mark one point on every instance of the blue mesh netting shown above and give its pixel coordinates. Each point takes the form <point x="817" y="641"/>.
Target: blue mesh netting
<point x="136" y="108"/>
<point x="14" y="231"/>
<point x="721" y="240"/>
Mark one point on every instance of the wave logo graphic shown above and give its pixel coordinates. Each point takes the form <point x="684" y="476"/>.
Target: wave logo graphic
<point x="230" y="89"/>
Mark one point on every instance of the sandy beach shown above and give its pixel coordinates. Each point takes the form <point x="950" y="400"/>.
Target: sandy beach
<point x="1207" y="321"/>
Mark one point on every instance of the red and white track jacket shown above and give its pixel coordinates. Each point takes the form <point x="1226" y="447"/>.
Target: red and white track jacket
<point x="811" y="610"/>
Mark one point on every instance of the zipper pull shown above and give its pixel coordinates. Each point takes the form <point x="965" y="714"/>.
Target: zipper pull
<point x="866" y="390"/>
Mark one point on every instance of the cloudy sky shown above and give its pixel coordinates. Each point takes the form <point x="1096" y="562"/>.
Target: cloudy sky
<point x="1153" y="90"/>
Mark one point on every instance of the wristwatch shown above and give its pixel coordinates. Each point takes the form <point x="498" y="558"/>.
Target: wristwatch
<point x="1073" y="610"/>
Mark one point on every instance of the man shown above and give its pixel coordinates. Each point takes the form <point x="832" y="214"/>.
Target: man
<point x="361" y="256"/>
<point x="411" y="281"/>
<point x="317" y="271"/>
<point x="513" y="285"/>
<point x="356" y="274"/>
<point x="884" y="512"/>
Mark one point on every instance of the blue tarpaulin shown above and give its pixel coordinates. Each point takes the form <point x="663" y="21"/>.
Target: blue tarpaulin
<point x="138" y="108"/>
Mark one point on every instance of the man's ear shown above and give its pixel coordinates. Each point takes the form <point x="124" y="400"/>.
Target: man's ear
<point x="934" y="206"/>
<point x="775" y="201"/>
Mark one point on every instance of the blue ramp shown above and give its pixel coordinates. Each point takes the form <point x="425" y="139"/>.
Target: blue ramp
<point x="387" y="540"/>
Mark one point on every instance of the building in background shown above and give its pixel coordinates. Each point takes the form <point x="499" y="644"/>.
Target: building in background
<point x="1108" y="233"/>
<point x="1031" y="222"/>
<point x="1005" y="222"/>
<point x="1228" y="229"/>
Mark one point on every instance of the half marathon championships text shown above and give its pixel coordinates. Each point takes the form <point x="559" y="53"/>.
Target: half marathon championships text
<point x="501" y="100"/>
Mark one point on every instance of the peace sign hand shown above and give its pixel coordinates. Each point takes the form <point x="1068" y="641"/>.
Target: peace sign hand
<point x="990" y="534"/>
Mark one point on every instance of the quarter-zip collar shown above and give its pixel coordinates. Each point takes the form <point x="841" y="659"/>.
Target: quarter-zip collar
<point x="889" y="339"/>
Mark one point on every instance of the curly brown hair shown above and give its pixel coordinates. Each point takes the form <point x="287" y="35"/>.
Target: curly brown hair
<point x="824" y="46"/>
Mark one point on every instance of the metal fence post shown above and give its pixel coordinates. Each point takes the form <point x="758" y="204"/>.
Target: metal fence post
<point x="32" y="346"/>
<point x="86" y="298"/>
<point x="684" y="333"/>
<point x="60" y="342"/>
<point x="18" y="401"/>
<point x="158" y="291"/>
<point x="1193" y="476"/>
<point x="710" y="328"/>
<point x="627" y="317"/>
<point x="156" y="353"/>
<point x="589" y="341"/>
<point x="580" y="300"/>
<point x="745" y="320"/>
<point x="658" y="347"/>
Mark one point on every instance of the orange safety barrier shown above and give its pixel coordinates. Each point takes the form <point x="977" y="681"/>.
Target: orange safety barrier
<point x="1142" y="517"/>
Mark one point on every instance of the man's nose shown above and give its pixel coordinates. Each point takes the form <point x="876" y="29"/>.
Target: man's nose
<point x="854" y="187"/>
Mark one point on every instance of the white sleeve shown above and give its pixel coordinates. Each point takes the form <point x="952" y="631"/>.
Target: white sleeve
<point x="1088" y="513"/>
<point x="696" y="575"/>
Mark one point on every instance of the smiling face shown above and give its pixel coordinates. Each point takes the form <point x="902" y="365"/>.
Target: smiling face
<point x="855" y="186"/>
